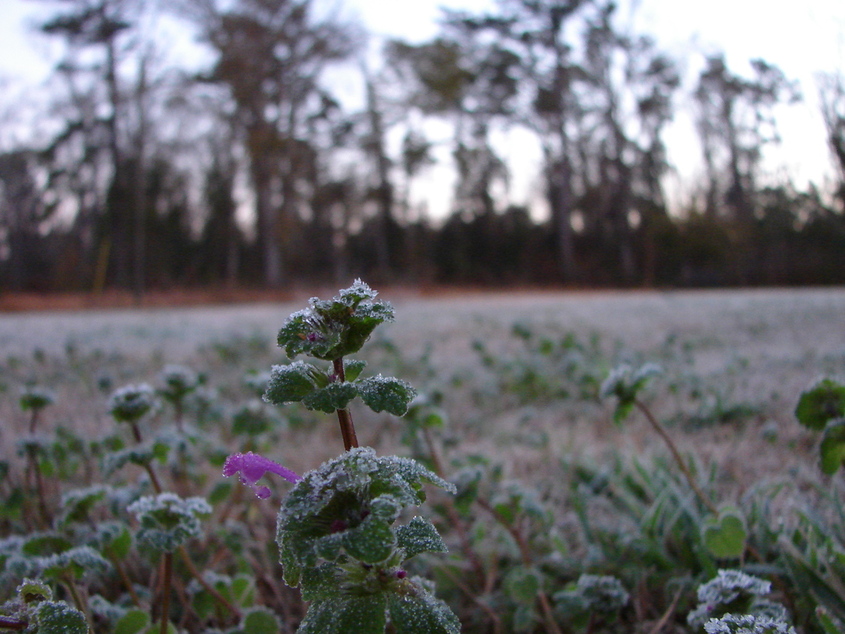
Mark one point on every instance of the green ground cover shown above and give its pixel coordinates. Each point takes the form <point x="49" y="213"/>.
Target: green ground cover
<point x="573" y="512"/>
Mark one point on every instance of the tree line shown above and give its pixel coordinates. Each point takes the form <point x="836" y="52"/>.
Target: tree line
<point x="254" y="170"/>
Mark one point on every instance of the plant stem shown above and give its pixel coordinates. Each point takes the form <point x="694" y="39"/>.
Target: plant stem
<point x="121" y="571"/>
<point x="344" y="417"/>
<point x="206" y="586"/>
<point x="452" y="511"/>
<point x="153" y="479"/>
<point x="677" y="456"/>
<point x="165" y="591"/>
<point x="525" y="554"/>
<point x="39" y="487"/>
<point x="81" y="605"/>
<point x="10" y="623"/>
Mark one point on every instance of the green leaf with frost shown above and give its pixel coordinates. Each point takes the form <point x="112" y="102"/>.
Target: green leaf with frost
<point x="343" y="614"/>
<point x="291" y="383"/>
<point x="421" y="612"/>
<point x="624" y="382"/>
<point x="389" y="394"/>
<point x="371" y="542"/>
<point x="75" y="562"/>
<point x="320" y="582"/>
<point x="113" y="539"/>
<point x="260" y="620"/>
<point x="419" y="536"/>
<point x="36" y="398"/>
<point x="130" y="403"/>
<point x="77" y="504"/>
<point x="821" y="403"/>
<point x="832" y="448"/>
<point x="331" y="329"/>
<point x="45" y="544"/>
<point x="57" y="617"/>
<point x="34" y="591"/>
<point x="602" y="593"/>
<point x="352" y="368"/>
<point x="168" y="521"/>
<point x="333" y="397"/>
<point x="141" y="455"/>
<point x="338" y="497"/>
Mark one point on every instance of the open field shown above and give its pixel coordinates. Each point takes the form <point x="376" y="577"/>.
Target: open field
<point x="516" y="377"/>
<point x="758" y="347"/>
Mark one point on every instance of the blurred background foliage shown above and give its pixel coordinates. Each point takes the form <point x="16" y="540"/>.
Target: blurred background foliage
<point x="255" y="172"/>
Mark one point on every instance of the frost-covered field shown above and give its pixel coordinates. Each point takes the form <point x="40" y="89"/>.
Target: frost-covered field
<point x="735" y="352"/>
<point x="549" y="489"/>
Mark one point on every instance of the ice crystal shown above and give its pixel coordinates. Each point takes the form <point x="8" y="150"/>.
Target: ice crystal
<point x="251" y="467"/>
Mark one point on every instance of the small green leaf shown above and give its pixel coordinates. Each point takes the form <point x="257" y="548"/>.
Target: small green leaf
<point x="46" y="544"/>
<point x="371" y="542"/>
<point x="343" y="614"/>
<point x="352" y="368"/>
<point x="821" y="403"/>
<point x="290" y="383"/>
<point x="133" y="622"/>
<point x="419" y="536"/>
<point x="57" y="617"/>
<point x="522" y="584"/>
<point x="261" y="621"/>
<point x="381" y="393"/>
<point x="832" y="447"/>
<point x="421" y="612"/>
<point x="724" y="538"/>
<point x="333" y="397"/>
<point x="119" y="545"/>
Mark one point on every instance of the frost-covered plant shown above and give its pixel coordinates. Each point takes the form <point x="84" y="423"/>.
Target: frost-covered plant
<point x="329" y="330"/>
<point x="167" y="521"/>
<point x="338" y="542"/>
<point x="822" y="408"/>
<point x="625" y="383"/>
<point x="131" y="403"/>
<point x="747" y="624"/>
<point x="179" y="382"/>
<point x="34" y="399"/>
<point x="733" y="592"/>
<point x="337" y="530"/>
<point x="590" y="596"/>
<point x="34" y="610"/>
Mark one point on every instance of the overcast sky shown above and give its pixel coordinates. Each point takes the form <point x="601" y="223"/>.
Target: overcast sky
<point x="802" y="38"/>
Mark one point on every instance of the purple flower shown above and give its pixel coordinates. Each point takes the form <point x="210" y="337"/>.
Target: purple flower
<point x="251" y="467"/>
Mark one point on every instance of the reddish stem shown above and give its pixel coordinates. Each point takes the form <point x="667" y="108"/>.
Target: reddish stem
<point x="344" y="417"/>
